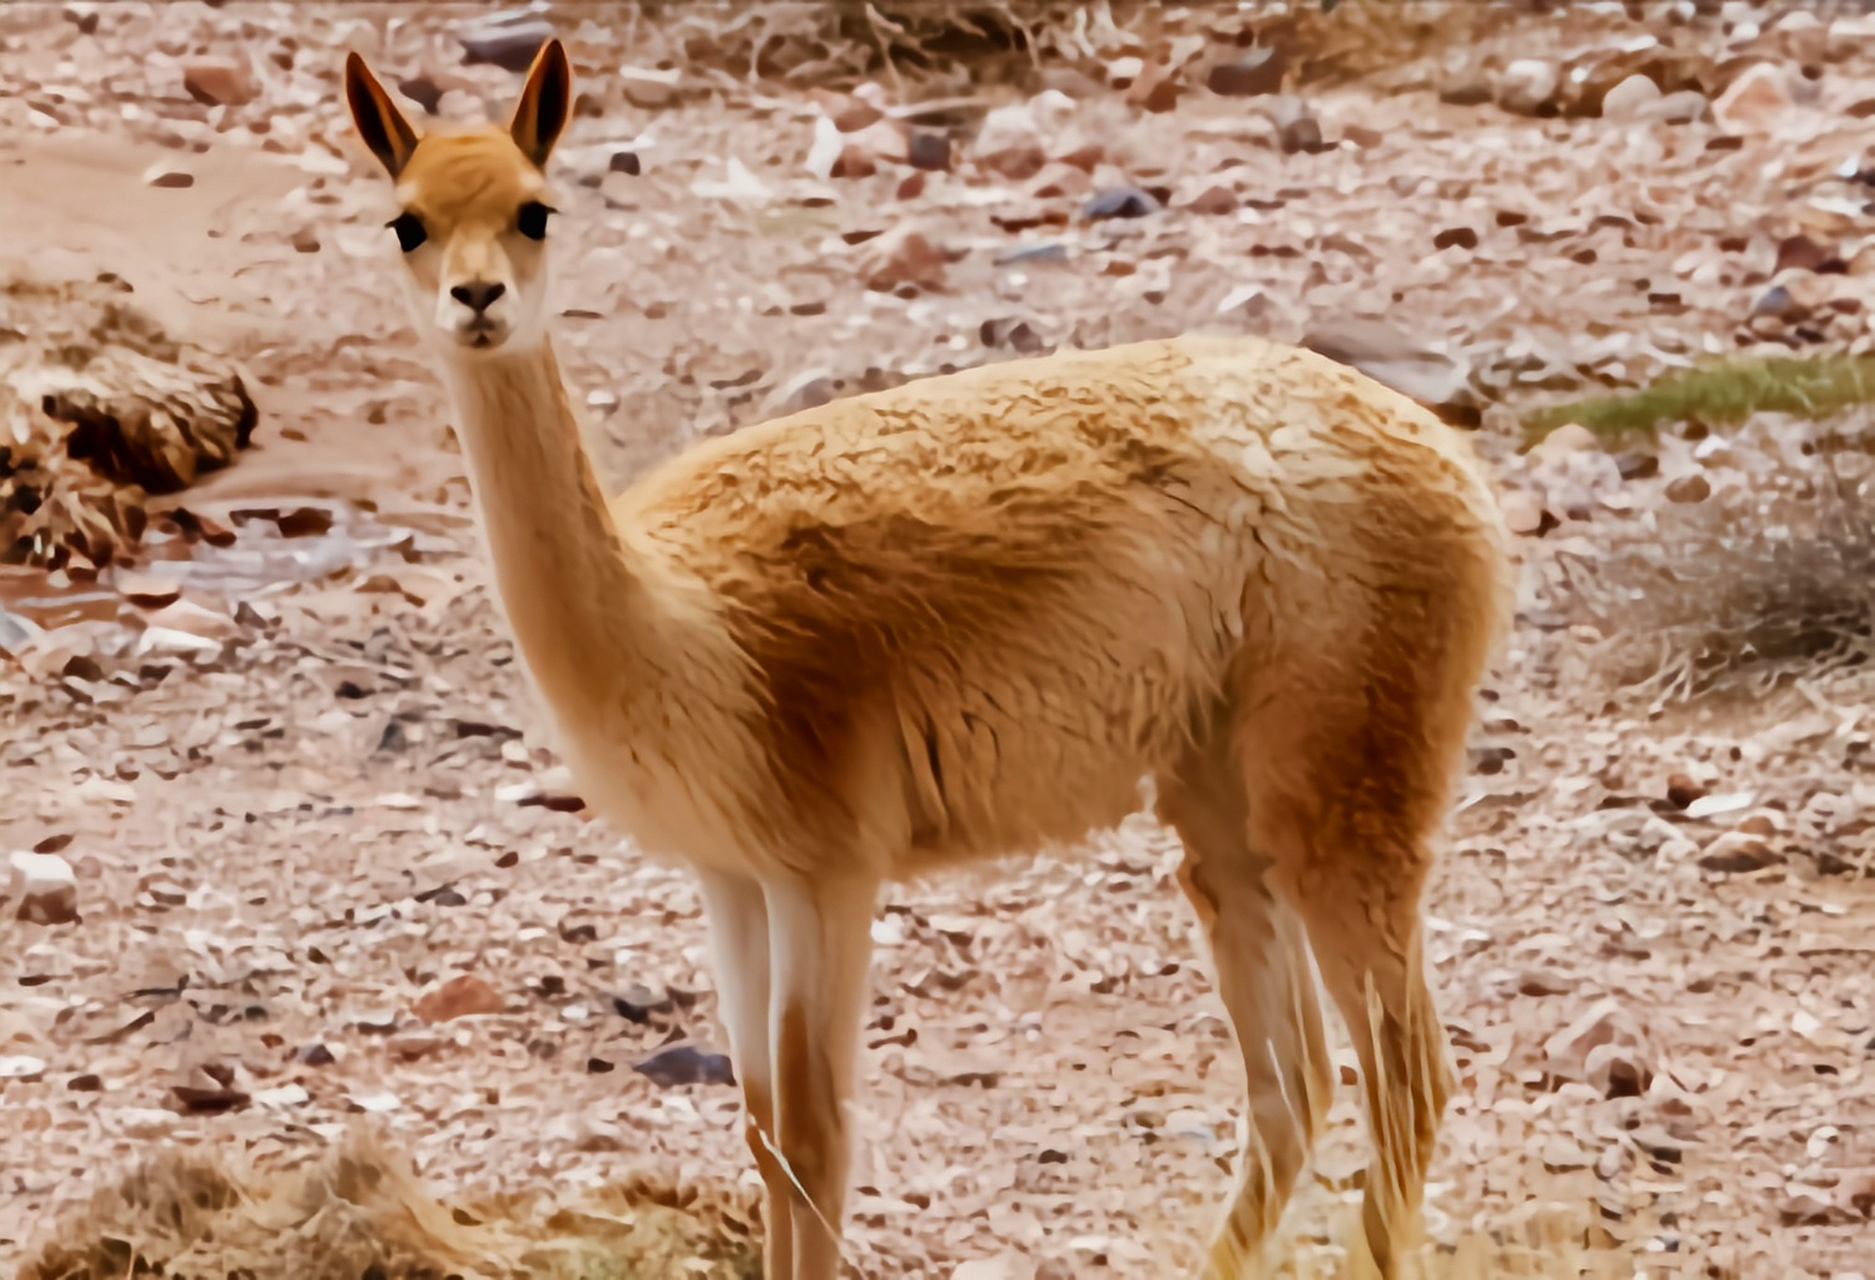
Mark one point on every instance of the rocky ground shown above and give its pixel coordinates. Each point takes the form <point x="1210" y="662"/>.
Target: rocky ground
<point x="325" y="872"/>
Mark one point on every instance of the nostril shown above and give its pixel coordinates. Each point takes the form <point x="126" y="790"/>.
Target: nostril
<point x="478" y="295"/>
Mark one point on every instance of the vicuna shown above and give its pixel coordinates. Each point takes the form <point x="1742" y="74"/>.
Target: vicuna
<point x="966" y="618"/>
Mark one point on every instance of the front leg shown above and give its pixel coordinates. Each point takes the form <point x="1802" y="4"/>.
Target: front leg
<point x="739" y="946"/>
<point x="820" y="945"/>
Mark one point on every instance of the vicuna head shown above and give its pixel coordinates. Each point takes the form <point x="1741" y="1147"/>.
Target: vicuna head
<point x="474" y="207"/>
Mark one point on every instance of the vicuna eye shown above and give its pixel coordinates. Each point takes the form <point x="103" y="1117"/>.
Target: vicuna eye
<point x="409" y="229"/>
<point x="531" y="220"/>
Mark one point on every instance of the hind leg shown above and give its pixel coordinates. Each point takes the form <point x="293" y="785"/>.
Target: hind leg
<point x="1346" y="799"/>
<point x="1371" y="961"/>
<point x="1261" y="964"/>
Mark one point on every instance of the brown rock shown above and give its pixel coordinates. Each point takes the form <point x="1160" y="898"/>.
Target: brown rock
<point x="854" y="162"/>
<point x="219" y="82"/>
<point x="149" y="591"/>
<point x="42" y="888"/>
<point x="463" y="996"/>
<point x="1214" y="200"/>
<point x="1689" y="488"/>
<point x="1856" y="1189"/>
<point x="1258" y="71"/>
<point x="851" y="115"/>
<point x="1738" y="852"/>
<point x="1682" y="790"/>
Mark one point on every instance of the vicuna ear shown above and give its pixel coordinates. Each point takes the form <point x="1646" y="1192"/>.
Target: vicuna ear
<point x="379" y="122"/>
<point x="546" y="102"/>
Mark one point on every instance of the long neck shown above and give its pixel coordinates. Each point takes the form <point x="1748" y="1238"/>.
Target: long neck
<point x="573" y="595"/>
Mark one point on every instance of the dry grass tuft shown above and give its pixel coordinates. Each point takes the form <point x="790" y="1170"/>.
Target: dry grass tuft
<point x="840" y="43"/>
<point x="1761" y="586"/>
<point x="361" y="1212"/>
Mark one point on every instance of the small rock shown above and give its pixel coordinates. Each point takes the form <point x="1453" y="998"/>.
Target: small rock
<point x="1616" y="1071"/>
<point x="853" y="162"/>
<point x="423" y="91"/>
<point x="1856" y="1190"/>
<point x="929" y="149"/>
<point x="1806" y="1208"/>
<point x="1689" y="488"/>
<point x="22" y="1067"/>
<point x="1737" y="852"/>
<point x="902" y="258"/>
<point x="1214" y="200"/>
<point x="682" y="1064"/>
<point x="1659" y="1145"/>
<point x="1684" y="107"/>
<point x="1804" y="254"/>
<point x="1155" y="89"/>
<point x="651" y="90"/>
<point x="465" y="995"/>
<point x="1779" y="303"/>
<point x="314" y="1055"/>
<point x="638" y="1004"/>
<point x="1528" y="86"/>
<point x="1561" y="1156"/>
<point x="1471" y="89"/>
<point x="850" y="113"/>
<point x="1570" y="437"/>
<point x="305" y="240"/>
<point x="1542" y="984"/>
<point x="166" y="179"/>
<point x="1631" y="101"/>
<point x="1009" y="331"/>
<point x="508" y="42"/>
<point x="1682" y="790"/>
<point x="1394" y="358"/>
<point x="149" y="591"/>
<point x="413" y="1044"/>
<point x="1120" y="202"/>
<point x="219" y="82"/>
<point x="1566" y="1052"/>
<point x="209" y="1090"/>
<point x="1753" y="102"/>
<point x="1004" y="1266"/>
<point x="1058" y="179"/>
<point x="43" y="888"/>
<point x="1257" y="72"/>
<point x="194" y="620"/>
<point x="1012" y="141"/>
<point x="1526" y="516"/>
<point x="1635" y="464"/>
<point x="1297" y="129"/>
<point x="625" y="162"/>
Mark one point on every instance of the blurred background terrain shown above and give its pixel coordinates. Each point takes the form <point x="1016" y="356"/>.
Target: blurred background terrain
<point x="298" y="906"/>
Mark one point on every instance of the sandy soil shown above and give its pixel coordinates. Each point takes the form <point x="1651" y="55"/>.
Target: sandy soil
<point x="286" y="840"/>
